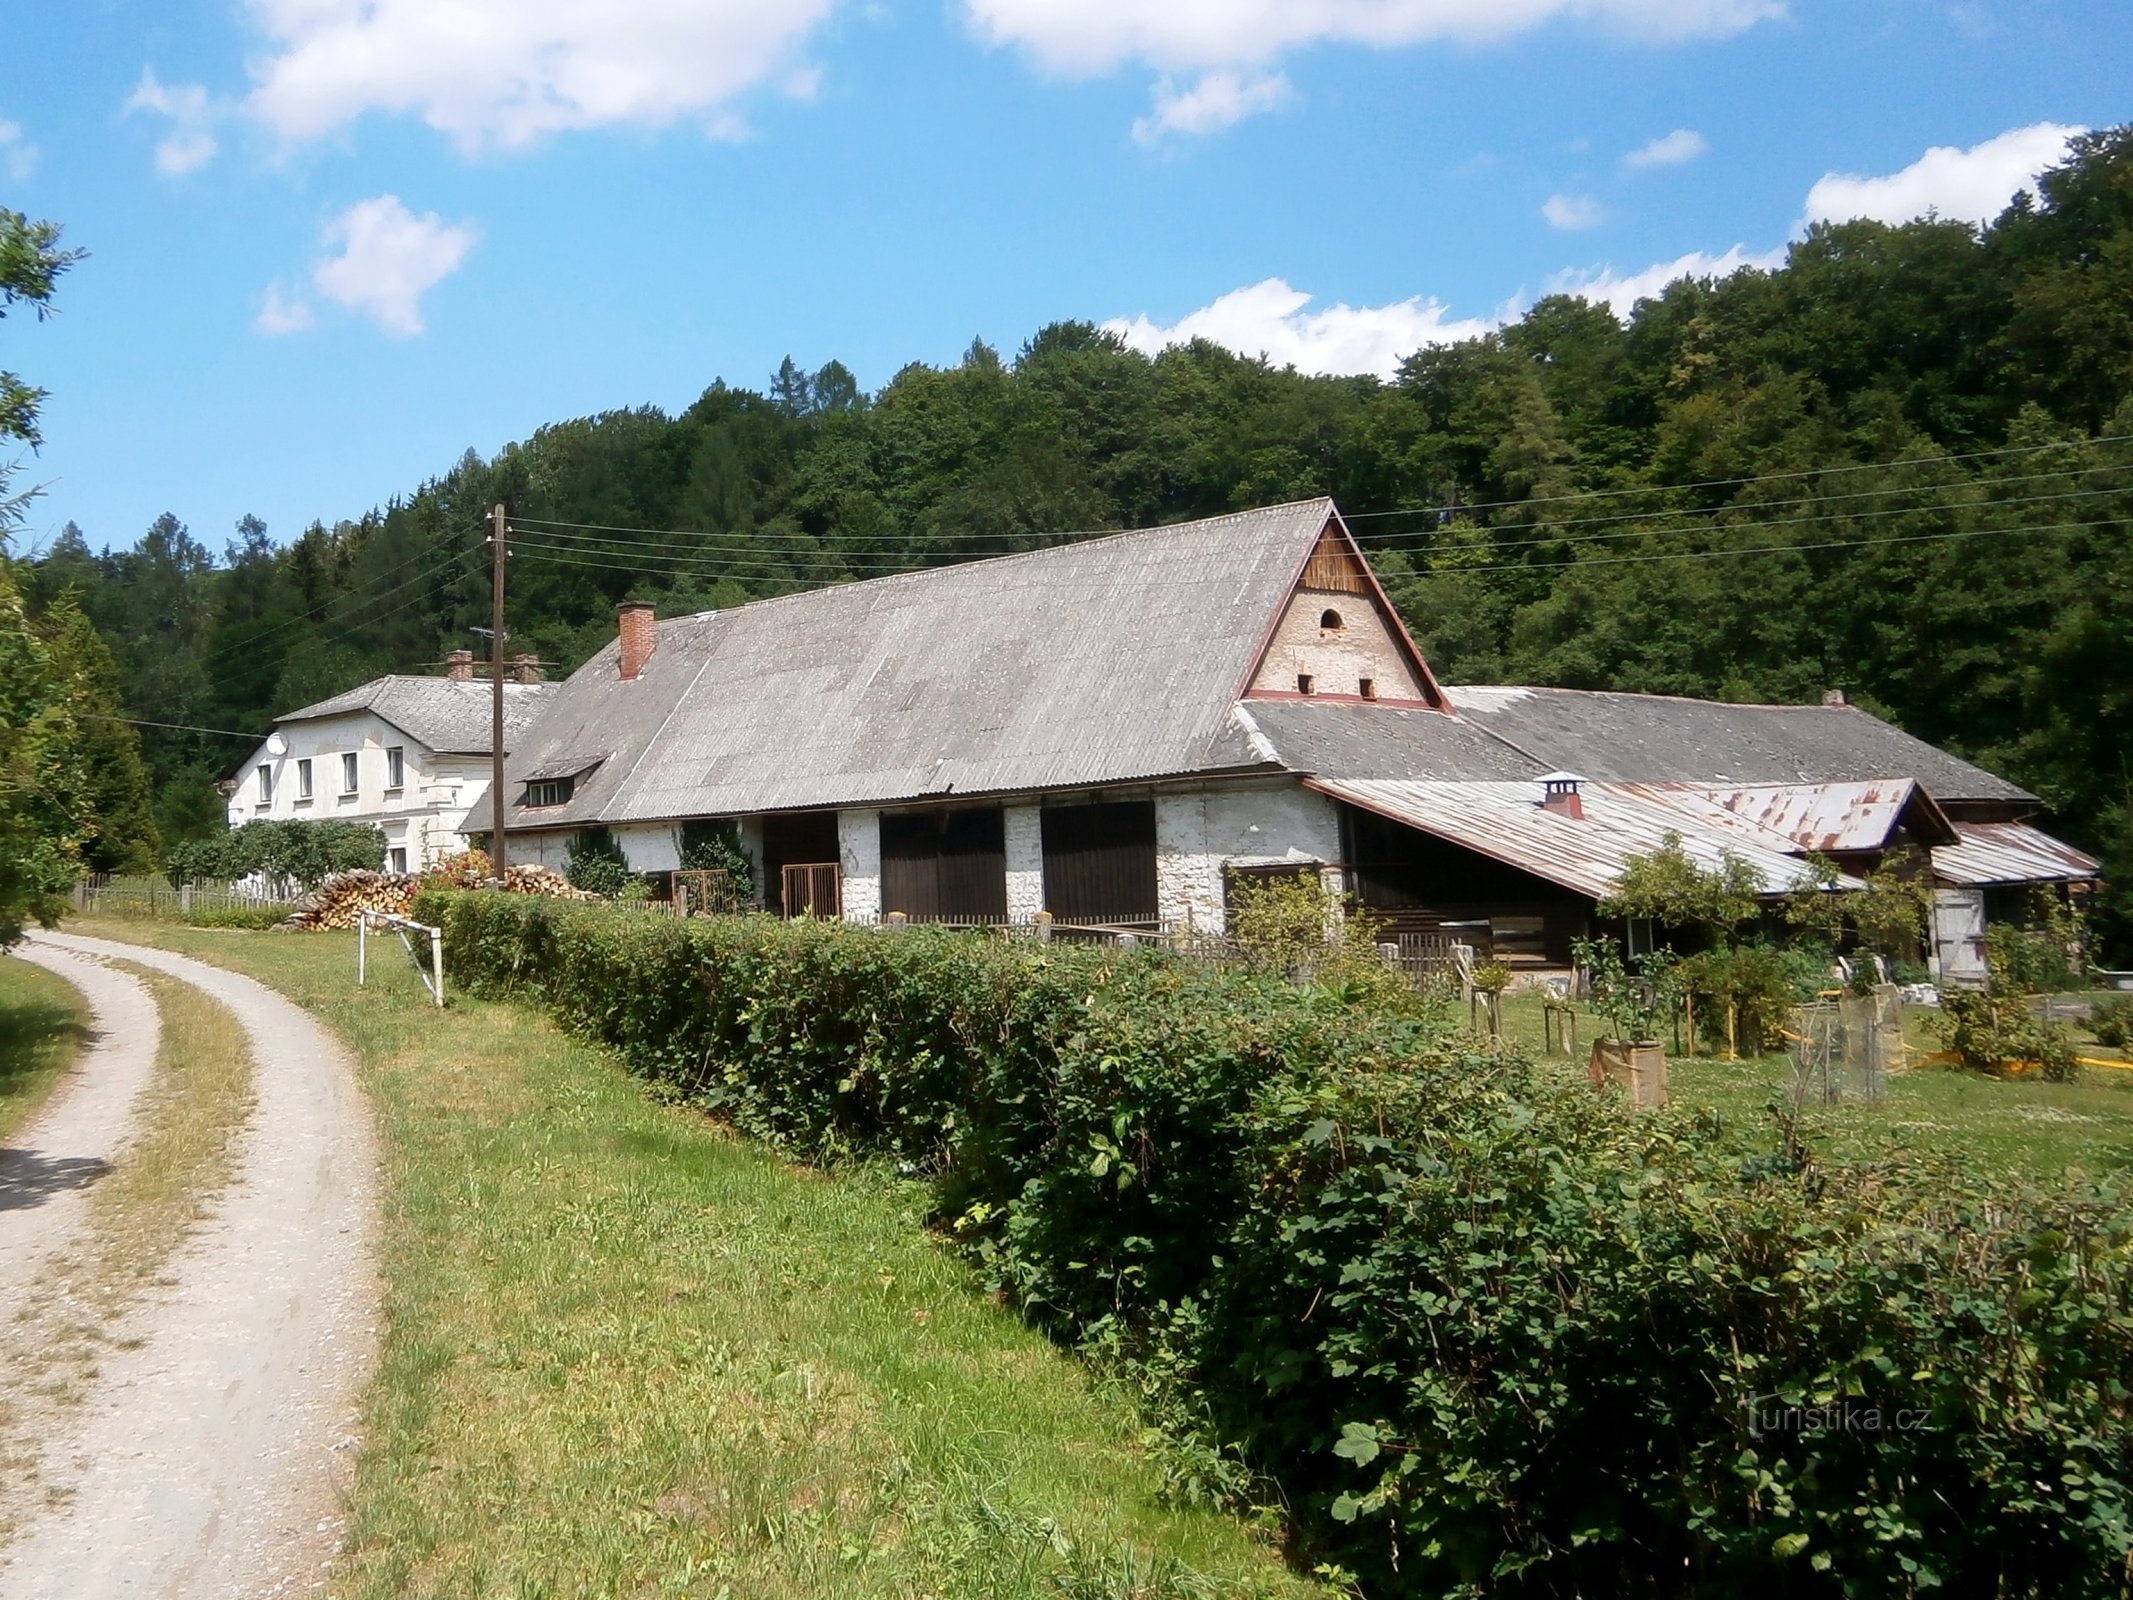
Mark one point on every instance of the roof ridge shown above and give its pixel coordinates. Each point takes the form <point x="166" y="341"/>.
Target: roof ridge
<point x="1066" y="542"/>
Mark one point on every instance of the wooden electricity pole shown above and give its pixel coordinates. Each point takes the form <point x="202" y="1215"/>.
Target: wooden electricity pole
<point x="496" y="691"/>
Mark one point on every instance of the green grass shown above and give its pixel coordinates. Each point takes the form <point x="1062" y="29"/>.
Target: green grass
<point x="628" y="1354"/>
<point x="43" y="1023"/>
<point x="2021" y="1124"/>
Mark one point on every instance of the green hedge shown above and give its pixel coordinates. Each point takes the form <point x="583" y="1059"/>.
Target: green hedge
<point x="1486" y="1333"/>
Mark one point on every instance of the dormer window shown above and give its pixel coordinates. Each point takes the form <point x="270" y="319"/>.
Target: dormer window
<point x="1330" y="621"/>
<point x="1305" y="683"/>
<point x="549" y="792"/>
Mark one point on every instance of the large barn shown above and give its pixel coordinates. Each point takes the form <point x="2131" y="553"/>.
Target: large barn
<point x="1118" y="731"/>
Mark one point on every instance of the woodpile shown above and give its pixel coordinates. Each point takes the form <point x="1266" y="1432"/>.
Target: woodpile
<point x="543" y="880"/>
<point x="342" y="897"/>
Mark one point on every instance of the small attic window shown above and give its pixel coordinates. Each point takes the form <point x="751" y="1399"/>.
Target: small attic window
<point x="549" y="792"/>
<point x="1305" y="682"/>
<point x="1367" y="688"/>
<point x="1330" y="621"/>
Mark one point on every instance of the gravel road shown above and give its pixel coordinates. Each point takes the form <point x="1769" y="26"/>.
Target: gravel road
<point x="210" y="1458"/>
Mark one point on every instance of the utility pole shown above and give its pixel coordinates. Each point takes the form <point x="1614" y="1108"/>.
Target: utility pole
<point x="496" y="691"/>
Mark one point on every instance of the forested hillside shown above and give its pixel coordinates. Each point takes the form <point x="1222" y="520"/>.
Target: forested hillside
<point x="1901" y="464"/>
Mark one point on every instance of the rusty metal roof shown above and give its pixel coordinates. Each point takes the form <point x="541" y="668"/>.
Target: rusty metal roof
<point x="1836" y="818"/>
<point x="2009" y="852"/>
<point x="1505" y="821"/>
<point x="1646" y="738"/>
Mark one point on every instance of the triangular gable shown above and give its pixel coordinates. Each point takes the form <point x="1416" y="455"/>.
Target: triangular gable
<point x="1337" y="637"/>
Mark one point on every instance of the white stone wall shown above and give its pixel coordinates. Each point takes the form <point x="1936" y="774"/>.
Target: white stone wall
<point x="1198" y="833"/>
<point x="536" y="849"/>
<point x="1338" y="659"/>
<point x="859" y="860"/>
<point x="1025" y="862"/>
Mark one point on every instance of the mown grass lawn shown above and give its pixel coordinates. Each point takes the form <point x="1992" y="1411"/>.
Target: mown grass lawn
<point x="2014" y="1124"/>
<point x="628" y="1354"/>
<point x="42" y="1025"/>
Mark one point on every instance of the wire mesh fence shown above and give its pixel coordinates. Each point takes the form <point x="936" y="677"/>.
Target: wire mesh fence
<point x="152" y="895"/>
<point x="1844" y="1049"/>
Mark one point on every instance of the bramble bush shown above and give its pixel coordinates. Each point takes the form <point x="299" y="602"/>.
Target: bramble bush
<point x="1486" y="1334"/>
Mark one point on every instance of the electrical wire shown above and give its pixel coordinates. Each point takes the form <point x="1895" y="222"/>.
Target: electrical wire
<point x="777" y="558"/>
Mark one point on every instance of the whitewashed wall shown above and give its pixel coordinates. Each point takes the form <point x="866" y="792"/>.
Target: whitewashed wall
<point x="1025" y="862"/>
<point x="859" y="859"/>
<point x="420" y="816"/>
<point x="1198" y="833"/>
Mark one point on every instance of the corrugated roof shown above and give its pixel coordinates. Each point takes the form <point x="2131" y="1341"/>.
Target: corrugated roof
<point x="450" y="715"/>
<point x="1832" y="817"/>
<point x="1111" y="660"/>
<point x="2009" y="852"/>
<point x="1639" y="738"/>
<point x="1586" y="854"/>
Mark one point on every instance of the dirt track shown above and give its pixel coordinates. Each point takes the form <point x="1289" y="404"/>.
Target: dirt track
<point x="208" y="1459"/>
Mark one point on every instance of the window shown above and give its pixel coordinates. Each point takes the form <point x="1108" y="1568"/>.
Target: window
<point x="396" y="859"/>
<point x="348" y="772"/>
<point x="549" y="792"/>
<point x="1367" y="688"/>
<point x="303" y="779"/>
<point x="1330" y="621"/>
<point x="395" y="767"/>
<point x="1304" y="682"/>
<point x="266" y="784"/>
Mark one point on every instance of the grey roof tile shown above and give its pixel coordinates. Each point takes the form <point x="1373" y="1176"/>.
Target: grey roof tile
<point x="451" y="716"/>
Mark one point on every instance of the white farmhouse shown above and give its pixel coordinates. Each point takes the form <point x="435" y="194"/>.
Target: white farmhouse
<point x="407" y="754"/>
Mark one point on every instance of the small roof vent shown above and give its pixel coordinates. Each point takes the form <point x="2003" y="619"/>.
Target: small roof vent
<point x="1559" y="794"/>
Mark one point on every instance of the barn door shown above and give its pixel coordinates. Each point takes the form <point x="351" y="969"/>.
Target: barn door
<point x="1959" y="936"/>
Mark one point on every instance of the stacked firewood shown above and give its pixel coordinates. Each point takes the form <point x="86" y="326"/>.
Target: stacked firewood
<point x="543" y="880"/>
<point x="342" y="897"/>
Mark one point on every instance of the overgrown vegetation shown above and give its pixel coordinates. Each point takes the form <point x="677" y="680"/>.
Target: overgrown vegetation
<point x="1486" y="1335"/>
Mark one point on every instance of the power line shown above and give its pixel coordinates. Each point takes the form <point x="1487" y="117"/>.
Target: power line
<point x="1769" y="549"/>
<point x="181" y="727"/>
<point x="771" y="555"/>
<point x="1761" y="477"/>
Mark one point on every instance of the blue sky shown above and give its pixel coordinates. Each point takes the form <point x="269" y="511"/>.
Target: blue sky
<point x="334" y="243"/>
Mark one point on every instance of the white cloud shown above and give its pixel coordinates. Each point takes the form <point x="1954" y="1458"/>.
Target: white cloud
<point x="1269" y="319"/>
<point x="1620" y="292"/>
<point x="17" y="154"/>
<point x="1219" y="100"/>
<point x="1669" y="150"/>
<point x="1972" y="185"/>
<point x="501" y="73"/>
<point x="389" y="258"/>
<point x="191" y="141"/>
<point x="1081" y="37"/>
<point x="1573" y="212"/>
<point x="282" y="313"/>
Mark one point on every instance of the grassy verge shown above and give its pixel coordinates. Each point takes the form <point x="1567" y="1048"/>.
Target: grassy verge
<point x="2023" y="1124"/>
<point x="160" y="1186"/>
<point x="627" y="1354"/>
<point x="42" y="1024"/>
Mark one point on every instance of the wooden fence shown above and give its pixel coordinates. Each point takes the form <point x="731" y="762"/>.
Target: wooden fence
<point x="152" y="895"/>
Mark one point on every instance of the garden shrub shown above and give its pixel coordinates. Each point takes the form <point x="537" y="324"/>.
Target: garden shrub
<point x="295" y="854"/>
<point x="1997" y="1032"/>
<point x="1487" y="1334"/>
<point x="2111" y="1021"/>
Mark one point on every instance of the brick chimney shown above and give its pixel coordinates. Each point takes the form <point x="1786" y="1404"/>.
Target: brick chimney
<point x="639" y="636"/>
<point x="525" y="669"/>
<point x="1834" y="697"/>
<point x="459" y="665"/>
<point x="1559" y="794"/>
